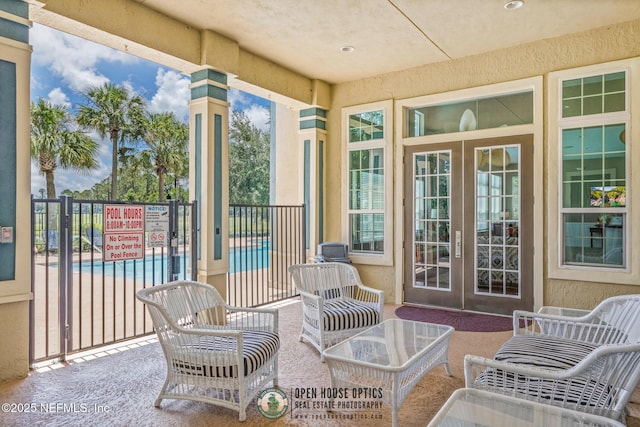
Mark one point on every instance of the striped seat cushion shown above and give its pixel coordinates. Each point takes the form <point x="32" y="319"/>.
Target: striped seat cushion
<point x="258" y="348"/>
<point x="578" y="391"/>
<point x="340" y="315"/>
<point x="552" y="353"/>
<point x="544" y="351"/>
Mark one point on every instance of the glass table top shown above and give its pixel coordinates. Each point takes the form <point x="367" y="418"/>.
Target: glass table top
<point x="472" y="408"/>
<point x="392" y="344"/>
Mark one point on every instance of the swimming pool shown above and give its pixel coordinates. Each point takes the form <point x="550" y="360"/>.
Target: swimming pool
<point x="153" y="269"/>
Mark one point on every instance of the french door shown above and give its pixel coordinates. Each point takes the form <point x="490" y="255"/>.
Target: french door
<point x="469" y="224"/>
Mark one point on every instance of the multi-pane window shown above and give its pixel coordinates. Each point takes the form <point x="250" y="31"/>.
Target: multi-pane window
<point x="366" y="149"/>
<point x="593" y="158"/>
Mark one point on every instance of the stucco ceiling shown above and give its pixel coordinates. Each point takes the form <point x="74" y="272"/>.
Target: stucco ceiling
<point x="307" y="36"/>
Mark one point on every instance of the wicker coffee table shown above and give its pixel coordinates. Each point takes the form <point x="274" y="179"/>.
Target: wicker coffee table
<point x="393" y="356"/>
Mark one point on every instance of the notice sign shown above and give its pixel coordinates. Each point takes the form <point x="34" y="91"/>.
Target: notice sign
<point x="123" y="232"/>
<point x="156" y="223"/>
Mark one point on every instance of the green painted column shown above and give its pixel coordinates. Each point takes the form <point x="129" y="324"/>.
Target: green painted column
<point x="313" y="136"/>
<point x="209" y="173"/>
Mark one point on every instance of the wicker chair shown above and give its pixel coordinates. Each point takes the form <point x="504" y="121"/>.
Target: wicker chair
<point x="583" y="360"/>
<point x="335" y="303"/>
<point x="215" y="353"/>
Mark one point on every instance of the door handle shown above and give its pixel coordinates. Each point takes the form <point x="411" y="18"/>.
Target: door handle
<point x="458" y="244"/>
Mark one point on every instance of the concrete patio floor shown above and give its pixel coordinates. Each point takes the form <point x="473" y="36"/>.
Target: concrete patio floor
<point x="117" y="385"/>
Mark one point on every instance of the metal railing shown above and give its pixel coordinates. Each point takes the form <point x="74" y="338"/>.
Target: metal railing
<point x="81" y="301"/>
<point x="264" y="241"/>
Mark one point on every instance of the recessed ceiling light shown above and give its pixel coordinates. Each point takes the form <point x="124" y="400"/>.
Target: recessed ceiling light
<point x="513" y="4"/>
<point x="347" y="48"/>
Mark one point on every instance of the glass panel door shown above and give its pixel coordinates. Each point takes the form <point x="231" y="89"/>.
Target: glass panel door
<point x="469" y="224"/>
<point x="432" y="270"/>
<point x="498" y="218"/>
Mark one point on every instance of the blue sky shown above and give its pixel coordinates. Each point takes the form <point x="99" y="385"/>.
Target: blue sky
<point x="63" y="66"/>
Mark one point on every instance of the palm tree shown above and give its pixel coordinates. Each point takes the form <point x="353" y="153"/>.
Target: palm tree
<point x="56" y="141"/>
<point x="167" y="140"/>
<point x="115" y="112"/>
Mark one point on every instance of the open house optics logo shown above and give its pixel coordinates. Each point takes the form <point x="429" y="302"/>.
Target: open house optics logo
<point x="273" y="403"/>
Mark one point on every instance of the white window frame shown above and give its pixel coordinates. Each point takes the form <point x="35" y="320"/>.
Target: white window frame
<point x="630" y="273"/>
<point x="372" y="258"/>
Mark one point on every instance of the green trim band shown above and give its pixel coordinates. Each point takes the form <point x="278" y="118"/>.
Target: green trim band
<point x="217" y="186"/>
<point x="198" y="173"/>
<point x="313" y="124"/>
<point x="307" y="186"/>
<point x="8" y="178"/>
<point x="14" y="31"/>
<point x="208" y="74"/>
<point x="15" y="7"/>
<point x="315" y="111"/>
<point x="320" y="191"/>
<point x="209" y="91"/>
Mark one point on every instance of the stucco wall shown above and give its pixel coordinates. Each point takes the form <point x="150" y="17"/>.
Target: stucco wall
<point x="585" y="295"/>
<point x="535" y="59"/>
<point x="14" y="340"/>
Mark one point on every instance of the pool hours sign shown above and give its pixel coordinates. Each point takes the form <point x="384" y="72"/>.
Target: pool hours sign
<point x="123" y="229"/>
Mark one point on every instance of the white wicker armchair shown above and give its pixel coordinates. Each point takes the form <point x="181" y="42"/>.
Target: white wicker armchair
<point x="615" y="320"/>
<point x="335" y="303"/>
<point x="587" y="361"/>
<point x="215" y="353"/>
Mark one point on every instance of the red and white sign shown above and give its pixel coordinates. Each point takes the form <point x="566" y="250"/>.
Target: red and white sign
<point x="122" y="246"/>
<point x="123" y="228"/>
<point x="123" y="218"/>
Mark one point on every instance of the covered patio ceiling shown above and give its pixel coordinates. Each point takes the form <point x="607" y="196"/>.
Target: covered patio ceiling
<point x="298" y="49"/>
<point x="310" y="36"/>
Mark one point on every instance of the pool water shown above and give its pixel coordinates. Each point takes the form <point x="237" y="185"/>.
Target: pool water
<point x="154" y="269"/>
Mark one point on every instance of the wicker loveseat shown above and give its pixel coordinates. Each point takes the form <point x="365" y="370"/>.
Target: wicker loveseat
<point x="582" y="360"/>
<point x="215" y="353"/>
<point x="335" y="303"/>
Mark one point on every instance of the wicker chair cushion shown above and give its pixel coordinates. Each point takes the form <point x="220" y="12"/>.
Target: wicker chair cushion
<point x="258" y="348"/>
<point x="341" y="315"/>
<point x="328" y="294"/>
<point x="544" y="351"/>
<point x="578" y="391"/>
<point x="553" y="353"/>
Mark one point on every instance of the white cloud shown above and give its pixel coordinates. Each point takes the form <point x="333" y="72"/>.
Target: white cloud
<point x="128" y="86"/>
<point x="237" y="99"/>
<point x="58" y="97"/>
<point x="173" y="94"/>
<point x="72" y="58"/>
<point x="259" y="116"/>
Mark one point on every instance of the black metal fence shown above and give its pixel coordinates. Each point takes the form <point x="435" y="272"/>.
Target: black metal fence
<point x="264" y="242"/>
<point x="82" y="299"/>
